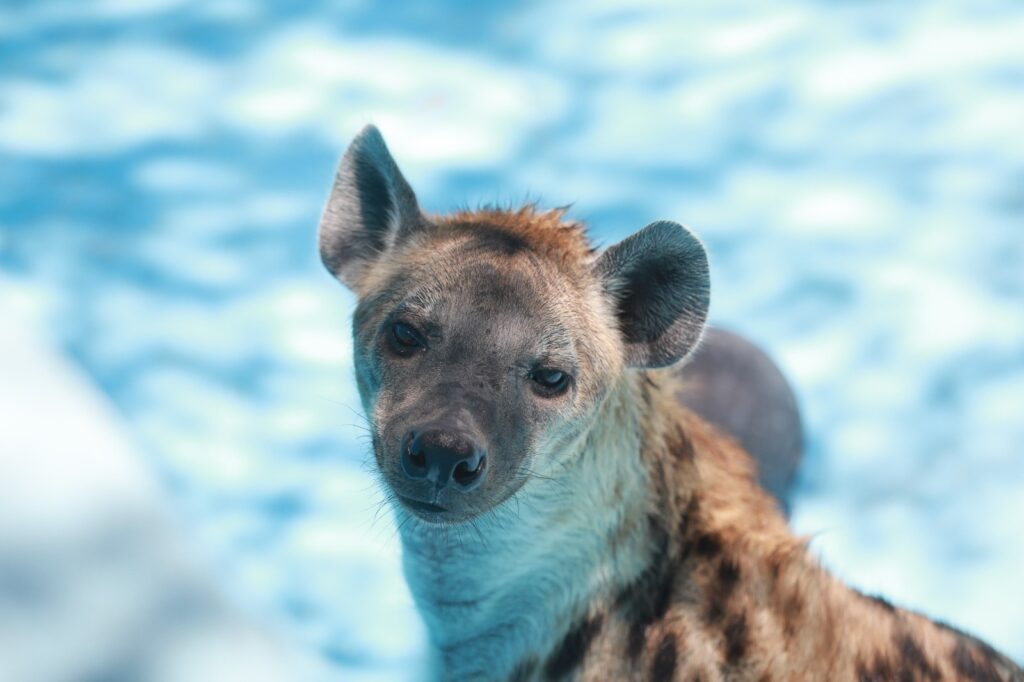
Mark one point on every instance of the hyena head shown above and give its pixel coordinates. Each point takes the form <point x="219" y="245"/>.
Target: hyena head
<point x="486" y="341"/>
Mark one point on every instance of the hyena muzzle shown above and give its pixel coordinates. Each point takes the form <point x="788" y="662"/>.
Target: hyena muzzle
<point x="563" y="513"/>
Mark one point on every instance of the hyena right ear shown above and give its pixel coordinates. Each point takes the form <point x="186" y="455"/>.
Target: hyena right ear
<point x="371" y="208"/>
<point x="659" y="285"/>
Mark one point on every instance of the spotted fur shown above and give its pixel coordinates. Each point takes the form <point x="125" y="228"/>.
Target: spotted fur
<point x="619" y="536"/>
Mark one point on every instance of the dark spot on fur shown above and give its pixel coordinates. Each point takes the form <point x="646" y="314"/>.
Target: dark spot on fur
<point x="664" y="664"/>
<point x="646" y="395"/>
<point x="912" y="660"/>
<point x="686" y="520"/>
<point x="573" y="647"/>
<point x="719" y="592"/>
<point x="683" y="448"/>
<point x="975" y="659"/>
<point x="736" y="639"/>
<point x="983" y="647"/>
<point x="714" y="611"/>
<point x="688" y="516"/>
<point x="646" y="600"/>
<point x="968" y="663"/>
<point x="728" y="575"/>
<point x="792" y="606"/>
<point x="707" y="545"/>
<point x="880" y="601"/>
<point x="880" y="671"/>
<point x="957" y="632"/>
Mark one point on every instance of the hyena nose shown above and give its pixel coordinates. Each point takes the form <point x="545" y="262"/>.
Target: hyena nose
<point x="444" y="457"/>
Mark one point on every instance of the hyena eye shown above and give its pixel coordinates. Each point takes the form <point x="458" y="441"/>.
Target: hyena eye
<point x="404" y="340"/>
<point x="550" y="382"/>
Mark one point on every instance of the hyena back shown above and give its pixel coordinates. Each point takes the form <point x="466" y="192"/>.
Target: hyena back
<point x="562" y="515"/>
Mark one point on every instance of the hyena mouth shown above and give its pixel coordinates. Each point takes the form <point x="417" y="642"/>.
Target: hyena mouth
<point x="420" y="506"/>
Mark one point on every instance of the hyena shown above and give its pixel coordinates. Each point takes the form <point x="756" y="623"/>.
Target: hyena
<point x="562" y="514"/>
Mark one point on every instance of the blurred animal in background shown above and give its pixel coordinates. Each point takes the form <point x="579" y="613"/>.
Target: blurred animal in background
<point x="733" y="385"/>
<point x="569" y="503"/>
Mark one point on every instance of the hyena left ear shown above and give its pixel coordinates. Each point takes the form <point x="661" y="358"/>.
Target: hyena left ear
<point x="371" y="208"/>
<point x="658" y="280"/>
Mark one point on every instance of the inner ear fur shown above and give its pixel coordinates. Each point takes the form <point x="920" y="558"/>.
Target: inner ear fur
<point x="370" y="209"/>
<point x="659" y="284"/>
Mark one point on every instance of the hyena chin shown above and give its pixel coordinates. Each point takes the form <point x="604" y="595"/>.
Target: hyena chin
<point x="562" y="514"/>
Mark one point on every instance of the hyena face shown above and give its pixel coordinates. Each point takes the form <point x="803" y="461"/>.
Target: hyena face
<point x="485" y="342"/>
<point x="473" y="359"/>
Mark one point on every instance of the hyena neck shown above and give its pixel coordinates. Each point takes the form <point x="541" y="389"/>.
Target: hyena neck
<point x="655" y="550"/>
<point x="495" y="594"/>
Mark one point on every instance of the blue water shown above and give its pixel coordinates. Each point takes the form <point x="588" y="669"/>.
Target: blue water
<point x="857" y="173"/>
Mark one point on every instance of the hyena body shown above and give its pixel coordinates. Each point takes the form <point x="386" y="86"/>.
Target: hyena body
<point x="562" y="515"/>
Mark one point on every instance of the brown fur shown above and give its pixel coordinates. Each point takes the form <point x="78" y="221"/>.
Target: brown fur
<point x="741" y="598"/>
<point x="728" y="592"/>
<point x="700" y="578"/>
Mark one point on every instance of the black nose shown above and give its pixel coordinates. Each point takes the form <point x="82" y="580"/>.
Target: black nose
<point x="445" y="457"/>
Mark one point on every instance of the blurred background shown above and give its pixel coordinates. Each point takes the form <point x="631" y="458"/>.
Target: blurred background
<point x="183" y="489"/>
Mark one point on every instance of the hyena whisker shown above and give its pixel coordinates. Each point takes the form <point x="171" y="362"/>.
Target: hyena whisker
<point x="405" y="518"/>
<point x="541" y="477"/>
<point x="480" y="535"/>
<point x="359" y="414"/>
<point x="381" y="508"/>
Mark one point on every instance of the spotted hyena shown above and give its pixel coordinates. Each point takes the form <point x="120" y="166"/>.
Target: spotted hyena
<point x="562" y="513"/>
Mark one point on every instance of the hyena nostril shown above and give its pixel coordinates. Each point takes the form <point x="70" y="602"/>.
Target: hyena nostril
<point x="416" y="456"/>
<point x="463" y="475"/>
<point x="444" y="457"/>
<point x="413" y="455"/>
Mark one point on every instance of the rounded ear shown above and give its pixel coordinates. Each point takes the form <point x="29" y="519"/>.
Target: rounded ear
<point x="659" y="284"/>
<point x="371" y="208"/>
